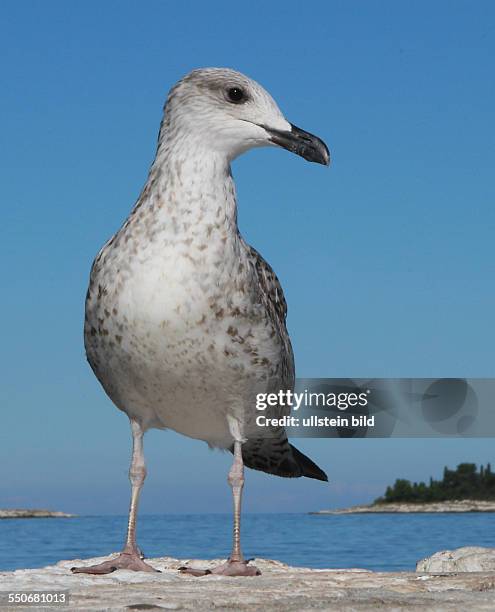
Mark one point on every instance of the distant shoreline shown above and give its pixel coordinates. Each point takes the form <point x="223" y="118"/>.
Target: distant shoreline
<point x="464" y="505"/>
<point x="34" y="513"/>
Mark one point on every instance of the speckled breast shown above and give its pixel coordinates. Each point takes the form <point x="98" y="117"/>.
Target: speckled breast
<point x="174" y="347"/>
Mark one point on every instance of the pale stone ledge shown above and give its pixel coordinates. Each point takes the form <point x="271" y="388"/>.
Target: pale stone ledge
<point x="279" y="588"/>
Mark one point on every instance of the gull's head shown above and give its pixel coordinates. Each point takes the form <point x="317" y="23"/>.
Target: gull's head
<point x="221" y="110"/>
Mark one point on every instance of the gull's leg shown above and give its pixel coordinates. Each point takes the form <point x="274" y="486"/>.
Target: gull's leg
<point x="130" y="558"/>
<point x="137" y="474"/>
<point x="235" y="564"/>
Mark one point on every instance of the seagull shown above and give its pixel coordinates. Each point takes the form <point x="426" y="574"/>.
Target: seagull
<point x="185" y="323"/>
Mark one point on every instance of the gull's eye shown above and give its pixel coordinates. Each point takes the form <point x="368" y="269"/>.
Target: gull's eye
<point x="236" y="95"/>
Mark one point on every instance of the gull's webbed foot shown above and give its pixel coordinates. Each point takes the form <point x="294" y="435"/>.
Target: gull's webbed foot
<point x="125" y="560"/>
<point x="229" y="568"/>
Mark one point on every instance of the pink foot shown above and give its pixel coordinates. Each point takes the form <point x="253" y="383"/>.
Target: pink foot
<point x="125" y="560"/>
<point x="229" y="568"/>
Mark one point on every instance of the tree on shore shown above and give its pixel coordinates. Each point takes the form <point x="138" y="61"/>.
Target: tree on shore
<point x="465" y="482"/>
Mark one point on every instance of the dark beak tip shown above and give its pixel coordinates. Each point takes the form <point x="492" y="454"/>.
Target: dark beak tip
<point x="302" y="143"/>
<point x="322" y="151"/>
<point x="326" y="159"/>
<point x="319" y="155"/>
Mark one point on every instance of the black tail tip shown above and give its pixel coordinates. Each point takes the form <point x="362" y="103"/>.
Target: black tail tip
<point x="309" y="469"/>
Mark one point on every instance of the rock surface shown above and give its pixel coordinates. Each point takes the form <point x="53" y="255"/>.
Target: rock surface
<point x="26" y="513"/>
<point x="466" y="559"/>
<point x="464" y="505"/>
<point x="279" y="588"/>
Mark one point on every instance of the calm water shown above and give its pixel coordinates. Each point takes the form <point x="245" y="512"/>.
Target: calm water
<point x="377" y="542"/>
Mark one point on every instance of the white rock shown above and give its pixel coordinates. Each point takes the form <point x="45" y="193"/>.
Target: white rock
<point x="466" y="559"/>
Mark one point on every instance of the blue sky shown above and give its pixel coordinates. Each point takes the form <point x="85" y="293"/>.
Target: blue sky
<point x="386" y="258"/>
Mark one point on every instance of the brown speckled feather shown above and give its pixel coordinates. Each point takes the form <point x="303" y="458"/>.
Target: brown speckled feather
<point x="275" y="304"/>
<point x="275" y="455"/>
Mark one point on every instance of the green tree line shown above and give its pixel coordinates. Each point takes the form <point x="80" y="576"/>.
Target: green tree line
<point x="465" y="482"/>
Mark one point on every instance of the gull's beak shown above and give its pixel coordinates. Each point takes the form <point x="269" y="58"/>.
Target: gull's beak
<point x="302" y="143"/>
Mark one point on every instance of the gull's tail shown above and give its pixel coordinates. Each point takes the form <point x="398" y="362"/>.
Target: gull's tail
<point x="277" y="456"/>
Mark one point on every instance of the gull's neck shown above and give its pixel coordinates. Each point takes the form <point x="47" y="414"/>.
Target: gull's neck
<point x="190" y="192"/>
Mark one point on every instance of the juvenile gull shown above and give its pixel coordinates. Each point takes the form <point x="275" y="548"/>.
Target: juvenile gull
<point x="185" y="322"/>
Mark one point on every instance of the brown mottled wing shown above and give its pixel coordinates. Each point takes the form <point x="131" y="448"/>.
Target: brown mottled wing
<point x="273" y="297"/>
<point x="270" y="285"/>
<point x="274" y="454"/>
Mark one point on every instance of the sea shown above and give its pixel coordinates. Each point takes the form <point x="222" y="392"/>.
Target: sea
<point x="380" y="542"/>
